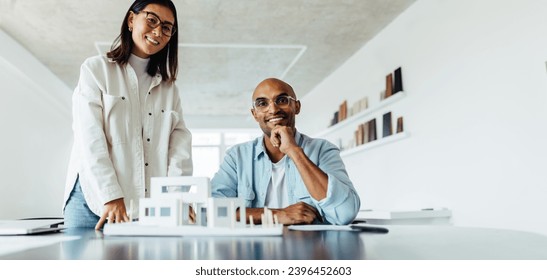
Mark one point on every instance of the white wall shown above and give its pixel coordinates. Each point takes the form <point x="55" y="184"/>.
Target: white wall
<point x="476" y="110"/>
<point x="36" y="135"/>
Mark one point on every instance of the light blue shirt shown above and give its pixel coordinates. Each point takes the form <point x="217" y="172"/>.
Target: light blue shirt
<point x="247" y="169"/>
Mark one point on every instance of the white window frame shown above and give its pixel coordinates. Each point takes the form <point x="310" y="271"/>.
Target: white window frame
<point x="222" y="147"/>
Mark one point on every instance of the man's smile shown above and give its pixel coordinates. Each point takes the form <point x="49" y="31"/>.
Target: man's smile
<point x="276" y="119"/>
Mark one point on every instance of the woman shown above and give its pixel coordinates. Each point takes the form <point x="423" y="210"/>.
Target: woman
<point x="128" y="123"/>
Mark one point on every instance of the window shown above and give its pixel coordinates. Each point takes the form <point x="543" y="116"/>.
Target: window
<point x="222" y="212"/>
<point x="165" y="211"/>
<point x="149" y="211"/>
<point x="178" y="189"/>
<point x="209" y="146"/>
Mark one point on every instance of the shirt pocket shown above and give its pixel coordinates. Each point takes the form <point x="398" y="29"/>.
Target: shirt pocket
<point x="115" y="118"/>
<point x="247" y="193"/>
<point x="171" y="120"/>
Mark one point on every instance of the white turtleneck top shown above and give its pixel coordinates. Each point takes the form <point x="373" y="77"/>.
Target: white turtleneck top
<point x="145" y="80"/>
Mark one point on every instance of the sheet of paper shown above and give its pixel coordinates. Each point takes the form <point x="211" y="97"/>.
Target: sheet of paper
<point x="318" y="227"/>
<point x="12" y="244"/>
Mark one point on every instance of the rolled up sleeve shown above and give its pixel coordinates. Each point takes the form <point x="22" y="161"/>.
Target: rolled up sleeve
<point x="342" y="202"/>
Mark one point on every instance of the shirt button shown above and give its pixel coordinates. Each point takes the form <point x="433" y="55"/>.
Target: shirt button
<point x="162" y="111"/>
<point x="123" y="98"/>
<point x="148" y="92"/>
<point x="146" y="164"/>
<point x="150" y="114"/>
<point x="148" y="139"/>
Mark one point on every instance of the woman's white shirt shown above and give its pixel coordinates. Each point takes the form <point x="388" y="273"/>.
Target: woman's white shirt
<point x="122" y="139"/>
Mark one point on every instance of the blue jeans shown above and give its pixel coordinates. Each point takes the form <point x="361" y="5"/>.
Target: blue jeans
<point x="77" y="213"/>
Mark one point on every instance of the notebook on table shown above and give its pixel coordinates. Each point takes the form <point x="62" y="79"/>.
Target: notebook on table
<point x="24" y="227"/>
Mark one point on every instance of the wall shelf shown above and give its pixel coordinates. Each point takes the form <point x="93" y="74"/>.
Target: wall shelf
<point x="376" y="143"/>
<point x="359" y="117"/>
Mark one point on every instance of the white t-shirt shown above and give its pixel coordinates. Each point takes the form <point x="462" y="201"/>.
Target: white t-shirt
<point x="277" y="196"/>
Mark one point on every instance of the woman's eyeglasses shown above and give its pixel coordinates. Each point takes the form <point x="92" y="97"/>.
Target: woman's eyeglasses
<point x="153" y="21"/>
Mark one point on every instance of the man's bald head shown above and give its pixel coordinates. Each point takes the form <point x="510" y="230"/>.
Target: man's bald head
<point x="273" y="83"/>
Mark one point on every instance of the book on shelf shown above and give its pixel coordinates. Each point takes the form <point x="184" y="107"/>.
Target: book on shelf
<point x="358" y="106"/>
<point x="386" y="124"/>
<point x="357" y="137"/>
<point x="360" y="134"/>
<point x="389" y="85"/>
<point x="400" y="124"/>
<point x="366" y="132"/>
<point x="372" y="130"/>
<point x="354" y="108"/>
<point x="334" y="119"/>
<point x="344" y="109"/>
<point x="398" y="81"/>
<point x="363" y="103"/>
<point x="341" y="114"/>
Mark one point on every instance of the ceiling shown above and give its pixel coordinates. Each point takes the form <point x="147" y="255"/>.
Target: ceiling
<point x="226" y="46"/>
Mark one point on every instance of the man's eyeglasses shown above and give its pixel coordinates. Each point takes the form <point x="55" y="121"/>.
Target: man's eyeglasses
<point x="153" y="21"/>
<point x="282" y="101"/>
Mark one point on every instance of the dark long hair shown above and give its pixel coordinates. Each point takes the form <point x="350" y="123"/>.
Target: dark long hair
<point x="159" y="62"/>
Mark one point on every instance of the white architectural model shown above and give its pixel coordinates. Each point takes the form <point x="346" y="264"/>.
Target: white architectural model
<point x="172" y="199"/>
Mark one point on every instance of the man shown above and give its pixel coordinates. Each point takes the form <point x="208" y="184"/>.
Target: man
<point x="301" y="179"/>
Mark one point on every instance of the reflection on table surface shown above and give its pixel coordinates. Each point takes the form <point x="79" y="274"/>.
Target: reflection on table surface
<point x="402" y="242"/>
<point x="303" y="245"/>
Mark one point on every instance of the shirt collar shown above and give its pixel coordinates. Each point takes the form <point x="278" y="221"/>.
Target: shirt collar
<point x="156" y="78"/>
